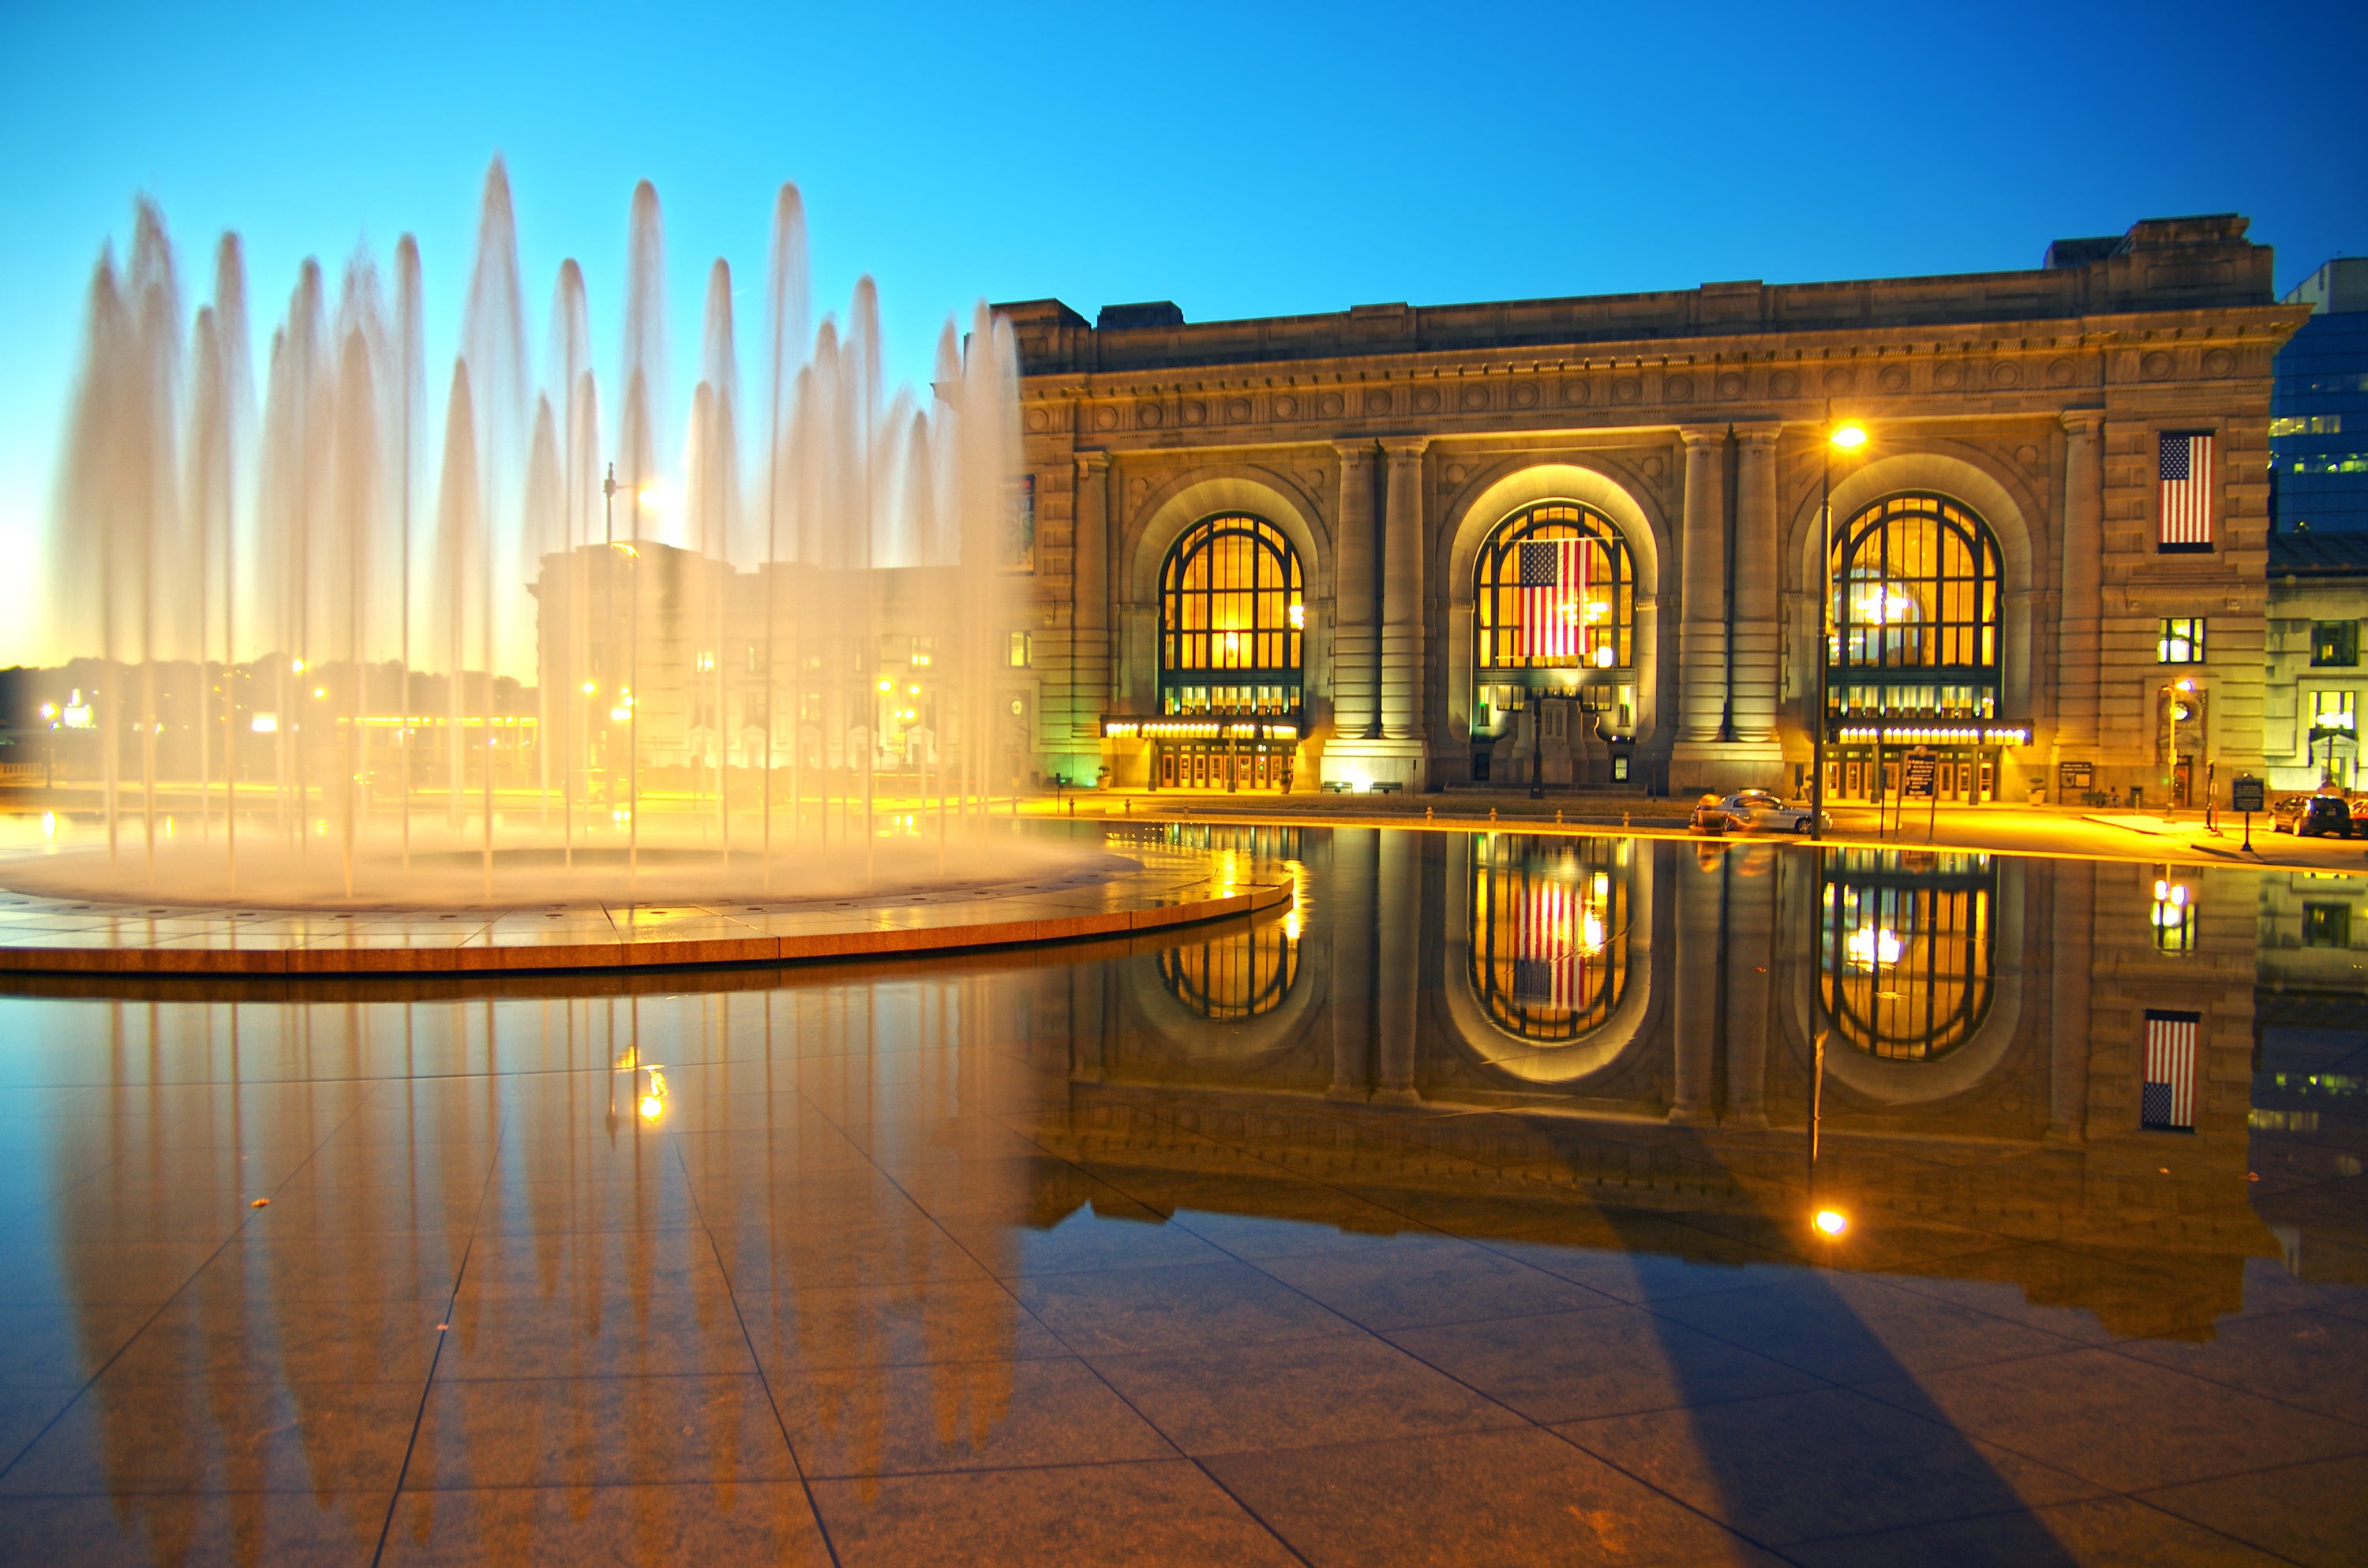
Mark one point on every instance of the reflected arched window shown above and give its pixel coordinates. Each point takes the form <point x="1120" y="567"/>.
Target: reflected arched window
<point x="1239" y="975"/>
<point x="1549" y="934"/>
<point x="1556" y="590"/>
<point x="1232" y="620"/>
<point x="1915" y="601"/>
<point x="1907" y="964"/>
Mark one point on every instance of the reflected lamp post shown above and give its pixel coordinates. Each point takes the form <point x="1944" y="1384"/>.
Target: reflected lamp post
<point x="1848" y="439"/>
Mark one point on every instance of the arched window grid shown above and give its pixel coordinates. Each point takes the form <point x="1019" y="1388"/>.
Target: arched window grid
<point x="1229" y="977"/>
<point x="1232" y="620"/>
<point x="1603" y="612"/>
<point x="1907" y="960"/>
<point x="1917" y="591"/>
<point x="1549" y="938"/>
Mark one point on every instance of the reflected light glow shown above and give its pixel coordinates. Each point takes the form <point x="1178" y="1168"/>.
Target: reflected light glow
<point x="1832" y="1222"/>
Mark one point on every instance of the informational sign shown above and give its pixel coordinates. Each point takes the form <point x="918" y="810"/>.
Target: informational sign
<point x="1922" y="776"/>
<point x="2246" y="793"/>
<point x="2074" y="776"/>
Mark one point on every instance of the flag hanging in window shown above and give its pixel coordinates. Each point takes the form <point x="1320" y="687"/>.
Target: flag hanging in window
<point x="2186" y="474"/>
<point x="2167" y="1102"/>
<point x="1554" y="598"/>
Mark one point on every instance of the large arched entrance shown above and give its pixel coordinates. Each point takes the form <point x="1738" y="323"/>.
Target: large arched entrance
<point x="1554" y="646"/>
<point x="1914" y="653"/>
<point x="1233" y="620"/>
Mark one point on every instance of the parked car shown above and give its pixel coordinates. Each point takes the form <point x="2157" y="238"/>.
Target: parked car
<point x="1752" y="811"/>
<point x="2315" y="816"/>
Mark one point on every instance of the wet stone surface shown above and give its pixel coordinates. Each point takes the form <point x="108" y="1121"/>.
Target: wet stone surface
<point x="1466" y="1210"/>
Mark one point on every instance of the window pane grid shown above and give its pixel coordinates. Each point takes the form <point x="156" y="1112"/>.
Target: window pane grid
<point x="1500" y="637"/>
<point x="1232" y="604"/>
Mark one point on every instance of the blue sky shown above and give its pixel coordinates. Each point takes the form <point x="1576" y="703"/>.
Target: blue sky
<point x="1241" y="160"/>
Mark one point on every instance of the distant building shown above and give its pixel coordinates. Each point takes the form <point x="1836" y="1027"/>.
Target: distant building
<point x="1577" y="540"/>
<point x="2318" y="405"/>
<point x="2312" y="699"/>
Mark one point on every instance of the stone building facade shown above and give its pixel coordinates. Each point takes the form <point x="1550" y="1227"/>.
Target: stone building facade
<point x="2314" y="687"/>
<point x="1275" y="551"/>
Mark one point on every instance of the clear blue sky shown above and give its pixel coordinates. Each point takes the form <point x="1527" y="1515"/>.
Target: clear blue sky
<point x="1241" y="160"/>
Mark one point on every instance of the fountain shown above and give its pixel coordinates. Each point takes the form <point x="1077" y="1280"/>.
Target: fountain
<point x="333" y="663"/>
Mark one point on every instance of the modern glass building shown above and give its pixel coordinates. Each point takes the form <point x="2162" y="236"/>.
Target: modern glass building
<point x="2319" y="407"/>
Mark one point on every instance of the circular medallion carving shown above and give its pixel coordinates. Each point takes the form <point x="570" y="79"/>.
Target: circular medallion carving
<point x="1105" y="417"/>
<point x="2219" y="362"/>
<point x="1627" y="389"/>
<point x="2005" y="373"/>
<point x="2027" y="456"/>
<point x="1454" y="473"/>
<point x="1678" y="388"/>
<point x="1949" y="377"/>
<point x="1731" y="384"/>
<point x="1148" y="416"/>
<point x="1425" y="400"/>
<point x="1476" y="397"/>
<point x="1892" y="378"/>
<point x="1785" y="384"/>
<point x="1328" y="405"/>
<point x="1838" y="381"/>
<point x="1377" y="402"/>
<point x="2155" y="366"/>
<point x="2060" y="373"/>
<point x="1286" y="407"/>
<point x="1525" y="396"/>
<point x="1574" y="392"/>
<point x="1237" y="410"/>
<point x="1036" y="420"/>
<point x="1653" y="468"/>
<point x="1195" y="413"/>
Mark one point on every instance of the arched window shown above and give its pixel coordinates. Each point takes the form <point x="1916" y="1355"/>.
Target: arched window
<point x="1232" y="620"/>
<point x="1549" y="934"/>
<point x="1915" y="596"/>
<point x="1907" y="960"/>
<point x="1556" y="590"/>
<point x="1239" y="975"/>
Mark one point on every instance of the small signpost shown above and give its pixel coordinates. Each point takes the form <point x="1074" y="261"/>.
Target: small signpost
<point x="1922" y="770"/>
<point x="2245" y="794"/>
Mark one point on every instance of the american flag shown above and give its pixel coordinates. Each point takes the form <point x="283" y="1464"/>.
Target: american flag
<point x="2186" y="471"/>
<point x="1554" y="598"/>
<point x="1548" y="964"/>
<point x="2168" y="1099"/>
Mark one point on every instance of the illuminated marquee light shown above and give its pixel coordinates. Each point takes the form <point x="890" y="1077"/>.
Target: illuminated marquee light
<point x="1203" y="730"/>
<point x="1957" y="735"/>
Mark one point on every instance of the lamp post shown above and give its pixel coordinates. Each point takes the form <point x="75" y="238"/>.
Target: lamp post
<point x="1849" y="438"/>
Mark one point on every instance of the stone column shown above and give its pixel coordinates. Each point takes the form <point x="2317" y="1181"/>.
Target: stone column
<point x="1350" y="912"/>
<point x="1401" y="598"/>
<point x="1758" y="655"/>
<point x="1701" y="626"/>
<point x="1355" y="711"/>
<point x="2071" y="959"/>
<point x="2079" y="611"/>
<point x="1399" y="913"/>
<point x="1089" y="606"/>
<point x="1751" y="963"/>
<point x="1697" y="998"/>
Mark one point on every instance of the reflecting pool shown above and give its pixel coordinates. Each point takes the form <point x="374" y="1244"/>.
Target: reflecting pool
<point x="1505" y="1198"/>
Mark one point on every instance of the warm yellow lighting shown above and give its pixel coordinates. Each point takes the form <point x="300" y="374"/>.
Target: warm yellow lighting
<point x="652" y="495"/>
<point x="1603" y="656"/>
<point x="1850" y="437"/>
<point x="49" y="709"/>
<point x="619" y="715"/>
<point x="589" y="687"/>
<point x="2187" y="685"/>
<point x="1833" y="1221"/>
<point x="264" y="723"/>
<point x="912" y="691"/>
<point x="887" y="685"/>
<point x="651" y="1107"/>
<point x="320" y="691"/>
<point x="1868" y="945"/>
<point x="49" y="824"/>
<point x="1297" y="615"/>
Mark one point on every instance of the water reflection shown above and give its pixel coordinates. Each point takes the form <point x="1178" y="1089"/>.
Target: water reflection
<point x="1040" y="1211"/>
<point x="1908" y="943"/>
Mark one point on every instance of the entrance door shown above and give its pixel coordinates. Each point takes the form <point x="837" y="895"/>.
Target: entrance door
<point x="2182" y="778"/>
<point x="1166" y="768"/>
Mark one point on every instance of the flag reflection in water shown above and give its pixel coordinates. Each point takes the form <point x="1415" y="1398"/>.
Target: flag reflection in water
<point x="1549" y="933"/>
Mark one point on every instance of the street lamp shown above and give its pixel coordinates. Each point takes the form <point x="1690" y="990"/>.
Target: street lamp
<point x="1848" y="439"/>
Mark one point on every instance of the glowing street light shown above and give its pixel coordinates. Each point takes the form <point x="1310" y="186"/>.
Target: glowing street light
<point x="1832" y="1222"/>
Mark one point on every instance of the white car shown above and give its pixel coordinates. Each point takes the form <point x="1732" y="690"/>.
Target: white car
<point x="1753" y="811"/>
